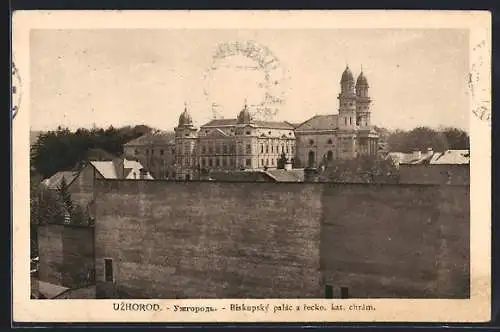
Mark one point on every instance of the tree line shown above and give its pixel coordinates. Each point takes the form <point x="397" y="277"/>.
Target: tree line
<point x="63" y="149"/>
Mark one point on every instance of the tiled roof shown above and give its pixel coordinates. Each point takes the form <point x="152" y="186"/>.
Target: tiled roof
<point x="54" y="182"/>
<point x="262" y="124"/>
<point x="319" y="122"/>
<point x="160" y="138"/>
<point x="451" y="157"/>
<point x="106" y="168"/>
<point x="274" y="124"/>
<point x="221" y="122"/>
<point x="283" y="175"/>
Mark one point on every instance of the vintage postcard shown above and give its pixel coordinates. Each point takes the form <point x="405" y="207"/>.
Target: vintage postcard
<point x="251" y="166"/>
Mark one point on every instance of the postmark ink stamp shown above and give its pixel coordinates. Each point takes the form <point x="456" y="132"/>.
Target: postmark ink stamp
<point x="479" y="85"/>
<point x="246" y="59"/>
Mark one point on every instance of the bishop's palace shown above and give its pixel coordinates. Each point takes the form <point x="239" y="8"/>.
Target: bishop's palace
<point x="244" y="143"/>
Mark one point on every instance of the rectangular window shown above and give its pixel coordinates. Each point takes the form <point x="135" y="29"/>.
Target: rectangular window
<point x="217" y="148"/>
<point x="262" y="162"/>
<point x="344" y="292"/>
<point x="108" y="269"/>
<point x="272" y="162"/>
<point x="267" y="148"/>
<point x="210" y="150"/>
<point x="136" y="152"/>
<point x="203" y="162"/>
<point x="210" y="162"/>
<point x="224" y="149"/>
<point x="217" y="162"/>
<point x="272" y="148"/>
<point x="292" y="149"/>
<point x="328" y="292"/>
<point x="345" y="119"/>
<point x="249" y="162"/>
<point x="147" y="151"/>
<point x="249" y="149"/>
<point x="224" y="162"/>
<point x="152" y="151"/>
<point x="162" y="152"/>
<point x="203" y="149"/>
<point x="262" y="148"/>
<point x="232" y="162"/>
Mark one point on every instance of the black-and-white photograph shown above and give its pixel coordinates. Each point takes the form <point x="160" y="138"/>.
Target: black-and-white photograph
<point x="281" y="170"/>
<point x="178" y="164"/>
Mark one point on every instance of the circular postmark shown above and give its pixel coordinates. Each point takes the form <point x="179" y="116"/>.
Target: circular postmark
<point x="245" y="70"/>
<point x="16" y="91"/>
<point x="478" y="82"/>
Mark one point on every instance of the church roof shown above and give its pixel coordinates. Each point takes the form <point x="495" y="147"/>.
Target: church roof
<point x="319" y="122"/>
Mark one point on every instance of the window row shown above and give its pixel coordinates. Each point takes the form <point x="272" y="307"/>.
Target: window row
<point x="162" y="151"/>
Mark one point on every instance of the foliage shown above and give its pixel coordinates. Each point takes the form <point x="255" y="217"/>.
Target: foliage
<point x="363" y="169"/>
<point x="62" y="149"/>
<point x="422" y="138"/>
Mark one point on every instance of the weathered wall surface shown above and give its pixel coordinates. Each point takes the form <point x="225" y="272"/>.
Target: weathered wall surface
<point x="82" y="188"/>
<point x="208" y="240"/>
<point x="258" y="240"/>
<point x="434" y="174"/>
<point x="66" y="254"/>
<point x="396" y="241"/>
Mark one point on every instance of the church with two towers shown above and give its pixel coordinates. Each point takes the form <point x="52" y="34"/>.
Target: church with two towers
<point x="247" y="143"/>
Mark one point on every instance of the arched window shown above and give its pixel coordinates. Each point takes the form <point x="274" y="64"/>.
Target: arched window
<point x="311" y="158"/>
<point x="329" y="156"/>
<point x="330" y="141"/>
<point x="311" y="142"/>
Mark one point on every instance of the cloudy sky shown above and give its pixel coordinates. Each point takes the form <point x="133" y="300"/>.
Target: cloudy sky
<point x="127" y="77"/>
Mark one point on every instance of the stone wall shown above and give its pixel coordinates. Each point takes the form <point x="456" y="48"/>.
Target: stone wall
<point x="435" y="174"/>
<point x="285" y="240"/>
<point x="396" y="240"/>
<point x="66" y="254"/>
<point x="209" y="240"/>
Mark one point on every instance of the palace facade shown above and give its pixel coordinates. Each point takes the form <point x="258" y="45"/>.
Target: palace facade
<point x="246" y="143"/>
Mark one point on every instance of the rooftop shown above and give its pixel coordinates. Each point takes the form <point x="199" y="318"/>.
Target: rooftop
<point x="54" y="182"/>
<point x="262" y="124"/>
<point x="319" y="122"/>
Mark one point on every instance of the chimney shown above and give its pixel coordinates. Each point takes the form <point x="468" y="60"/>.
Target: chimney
<point x="417" y="154"/>
<point x="118" y="163"/>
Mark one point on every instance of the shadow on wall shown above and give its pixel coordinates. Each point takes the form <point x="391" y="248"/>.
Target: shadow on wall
<point x="165" y="239"/>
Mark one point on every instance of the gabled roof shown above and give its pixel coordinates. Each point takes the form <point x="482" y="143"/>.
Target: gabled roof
<point x="451" y="157"/>
<point x="54" y="182"/>
<point x="106" y="168"/>
<point x="319" y="122"/>
<point x="159" y="138"/>
<point x="217" y="133"/>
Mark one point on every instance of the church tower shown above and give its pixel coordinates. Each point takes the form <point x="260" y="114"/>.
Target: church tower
<point x="347" y="101"/>
<point x="346" y="148"/>
<point x="186" y="136"/>
<point x="362" y="102"/>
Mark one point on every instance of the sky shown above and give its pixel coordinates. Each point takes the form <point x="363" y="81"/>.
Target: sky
<point x="81" y="78"/>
